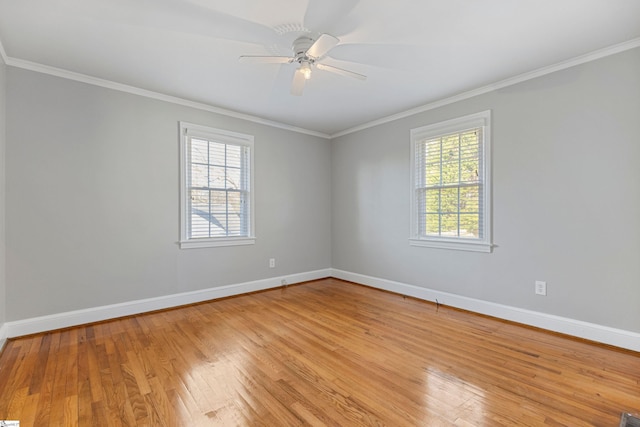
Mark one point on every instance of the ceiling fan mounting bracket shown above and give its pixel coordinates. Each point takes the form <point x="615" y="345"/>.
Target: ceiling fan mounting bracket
<point x="293" y="27"/>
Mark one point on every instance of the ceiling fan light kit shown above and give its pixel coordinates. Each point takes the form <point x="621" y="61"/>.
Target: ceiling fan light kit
<point x="305" y="69"/>
<point x="307" y="53"/>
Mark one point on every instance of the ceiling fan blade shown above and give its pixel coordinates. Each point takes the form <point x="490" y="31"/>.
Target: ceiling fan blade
<point x="265" y="59"/>
<point x="180" y="17"/>
<point x="297" y="86"/>
<point x="320" y="47"/>
<point x="341" y="71"/>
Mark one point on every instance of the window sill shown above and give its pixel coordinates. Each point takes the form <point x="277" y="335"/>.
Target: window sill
<point x="217" y="242"/>
<point x="460" y="245"/>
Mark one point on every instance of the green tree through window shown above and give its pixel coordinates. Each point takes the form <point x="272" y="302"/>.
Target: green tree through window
<point x="450" y="201"/>
<point x="451" y="195"/>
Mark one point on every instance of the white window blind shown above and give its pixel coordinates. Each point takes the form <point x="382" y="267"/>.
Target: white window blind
<point x="217" y="197"/>
<point x="450" y="184"/>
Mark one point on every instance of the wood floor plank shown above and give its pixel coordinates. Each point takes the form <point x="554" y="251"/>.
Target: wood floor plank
<point x="29" y="411"/>
<point x="324" y="353"/>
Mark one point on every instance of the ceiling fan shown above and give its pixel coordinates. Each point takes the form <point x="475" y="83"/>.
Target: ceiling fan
<point x="307" y="53"/>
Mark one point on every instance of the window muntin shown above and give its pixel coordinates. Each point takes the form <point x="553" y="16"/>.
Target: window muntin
<point x="450" y="184"/>
<point x="217" y="197"/>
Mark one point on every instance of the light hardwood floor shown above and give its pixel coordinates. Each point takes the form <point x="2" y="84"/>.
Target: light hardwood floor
<point x="326" y="352"/>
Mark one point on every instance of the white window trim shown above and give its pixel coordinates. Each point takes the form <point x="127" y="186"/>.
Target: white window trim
<point x="221" y="136"/>
<point x="482" y="119"/>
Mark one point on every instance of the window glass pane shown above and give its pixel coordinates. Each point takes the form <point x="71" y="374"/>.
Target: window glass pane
<point x="217" y="178"/>
<point x="469" y="225"/>
<point x="421" y="208"/>
<point x="219" y="201"/>
<point x="235" y="213"/>
<point x="200" y="199"/>
<point x="217" y="153"/>
<point x="244" y="211"/>
<point x="433" y="149"/>
<point x="433" y="201"/>
<point x="449" y="225"/>
<point x="469" y="170"/>
<point x="469" y="140"/>
<point x="218" y="213"/>
<point x="432" y="173"/>
<point x="449" y="200"/>
<point x="469" y="157"/>
<point x="450" y="159"/>
<point x="199" y="175"/>
<point x="234" y="156"/>
<point x="199" y="149"/>
<point x="470" y="199"/>
<point x="432" y="224"/>
<point x="234" y="179"/>
<point x="199" y="213"/>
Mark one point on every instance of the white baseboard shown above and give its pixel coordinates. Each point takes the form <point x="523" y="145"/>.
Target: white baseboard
<point x="577" y="328"/>
<point x="3" y="336"/>
<point x="97" y="314"/>
<point x="603" y="334"/>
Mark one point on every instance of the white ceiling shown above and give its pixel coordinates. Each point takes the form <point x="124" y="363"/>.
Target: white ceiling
<point x="414" y="52"/>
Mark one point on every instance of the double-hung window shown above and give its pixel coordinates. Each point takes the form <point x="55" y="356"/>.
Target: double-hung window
<point x="216" y="187"/>
<point x="451" y="187"/>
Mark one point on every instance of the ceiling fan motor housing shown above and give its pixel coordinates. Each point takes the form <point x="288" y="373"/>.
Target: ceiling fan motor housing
<point x="300" y="47"/>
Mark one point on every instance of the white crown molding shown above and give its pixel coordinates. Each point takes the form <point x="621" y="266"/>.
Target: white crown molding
<point x="577" y="328"/>
<point x="45" y="69"/>
<point x="83" y="78"/>
<point x="592" y="56"/>
<point x="96" y="314"/>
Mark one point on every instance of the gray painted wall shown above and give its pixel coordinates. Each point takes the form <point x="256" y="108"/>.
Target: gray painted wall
<point x="566" y="198"/>
<point x="92" y="200"/>
<point x="3" y="101"/>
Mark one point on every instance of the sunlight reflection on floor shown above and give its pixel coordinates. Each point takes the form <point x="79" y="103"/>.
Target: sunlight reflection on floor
<point x="444" y="390"/>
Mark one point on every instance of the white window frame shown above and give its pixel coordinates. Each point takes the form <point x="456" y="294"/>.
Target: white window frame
<point x="484" y="243"/>
<point x="188" y="131"/>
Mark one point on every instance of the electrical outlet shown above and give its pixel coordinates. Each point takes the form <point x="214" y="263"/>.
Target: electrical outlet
<point x="541" y="287"/>
<point x="272" y="262"/>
